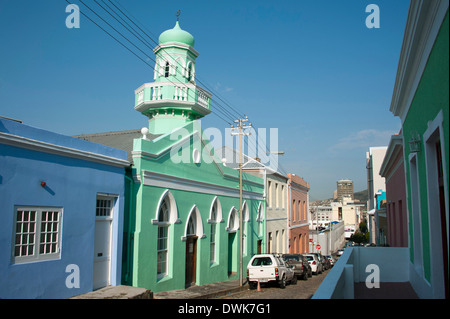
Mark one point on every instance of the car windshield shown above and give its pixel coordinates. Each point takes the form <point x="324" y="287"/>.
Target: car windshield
<point x="291" y="258"/>
<point x="309" y="258"/>
<point x="262" y="261"/>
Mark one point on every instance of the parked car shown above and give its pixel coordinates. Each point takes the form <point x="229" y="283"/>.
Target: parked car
<point x="307" y="265"/>
<point x="331" y="259"/>
<point x="302" y="269"/>
<point x="323" y="261"/>
<point x="340" y="252"/>
<point x="316" y="265"/>
<point x="269" y="268"/>
<point x="326" y="262"/>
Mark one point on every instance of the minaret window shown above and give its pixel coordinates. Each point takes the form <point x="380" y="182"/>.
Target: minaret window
<point x="189" y="72"/>
<point x="166" y="70"/>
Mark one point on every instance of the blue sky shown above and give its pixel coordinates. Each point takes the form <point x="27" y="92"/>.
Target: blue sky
<point x="312" y="69"/>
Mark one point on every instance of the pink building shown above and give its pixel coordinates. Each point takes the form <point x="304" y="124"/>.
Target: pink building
<point x="392" y="170"/>
<point x="298" y="194"/>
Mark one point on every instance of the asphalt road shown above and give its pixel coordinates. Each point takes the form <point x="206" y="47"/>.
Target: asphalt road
<point x="304" y="289"/>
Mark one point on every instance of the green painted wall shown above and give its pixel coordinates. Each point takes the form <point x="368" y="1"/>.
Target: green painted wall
<point x="142" y="255"/>
<point x="432" y="96"/>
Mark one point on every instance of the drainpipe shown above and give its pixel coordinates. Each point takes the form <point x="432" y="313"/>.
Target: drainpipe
<point x="130" y="204"/>
<point x="288" y="211"/>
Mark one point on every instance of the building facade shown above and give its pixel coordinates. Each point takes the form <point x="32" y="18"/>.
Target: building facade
<point x="344" y="188"/>
<point x="393" y="171"/>
<point x="62" y="203"/>
<point x="347" y="211"/>
<point x="298" y="199"/>
<point x="277" y="229"/>
<point x="183" y="225"/>
<point x="421" y="100"/>
<point x="375" y="182"/>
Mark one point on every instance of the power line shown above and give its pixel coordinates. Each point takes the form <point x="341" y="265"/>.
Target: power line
<point x="216" y="94"/>
<point x="198" y="79"/>
<point x="218" y="107"/>
<point x="134" y="53"/>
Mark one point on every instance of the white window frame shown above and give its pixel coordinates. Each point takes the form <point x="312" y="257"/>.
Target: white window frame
<point x="435" y="132"/>
<point x="233" y="221"/>
<point x="245" y="219"/>
<point x="416" y="213"/>
<point x="214" y="222"/>
<point x="260" y="220"/>
<point x="39" y="230"/>
<point x="164" y="226"/>
<point x="172" y="219"/>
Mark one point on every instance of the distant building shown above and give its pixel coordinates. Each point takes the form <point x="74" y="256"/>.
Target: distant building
<point x="375" y="182"/>
<point x="393" y="170"/>
<point x="298" y="199"/>
<point x="347" y="211"/>
<point x="344" y="188"/>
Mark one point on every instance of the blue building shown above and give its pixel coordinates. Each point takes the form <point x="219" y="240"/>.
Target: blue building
<point x="61" y="213"/>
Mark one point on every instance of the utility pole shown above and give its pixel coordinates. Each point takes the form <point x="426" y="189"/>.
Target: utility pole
<point x="239" y="129"/>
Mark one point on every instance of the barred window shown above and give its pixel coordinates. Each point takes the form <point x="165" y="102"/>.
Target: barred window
<point x="104" y="207"/>
<point x="37" y="233"/>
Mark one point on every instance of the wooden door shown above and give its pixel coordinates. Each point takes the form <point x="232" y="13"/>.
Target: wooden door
<point x="191" y="260"/>
<point x="258" y="247"/>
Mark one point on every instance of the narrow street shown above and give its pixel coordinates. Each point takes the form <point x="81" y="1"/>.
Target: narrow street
<point x="302" y="290"/>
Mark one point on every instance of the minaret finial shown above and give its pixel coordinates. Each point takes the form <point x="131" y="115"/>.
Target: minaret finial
<point x="178" y="14"/>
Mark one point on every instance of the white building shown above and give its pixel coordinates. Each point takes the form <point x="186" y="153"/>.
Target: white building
<point x="375" y="182"/>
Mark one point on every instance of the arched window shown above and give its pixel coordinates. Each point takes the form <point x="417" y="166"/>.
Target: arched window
<point x="212" y="242"/>
<point x="215" y="217"/>
<point x="166" y="215"/>
<point x="260" y="219"/>
<point x="190" y="72"/>
<point x="191" y="226"/>
<point x="233" y="221"/>
<point x="167" y="70"/>
<point x="163" y="237"/>
<point x="245" y="219"/>
<point x="194" y="226"/>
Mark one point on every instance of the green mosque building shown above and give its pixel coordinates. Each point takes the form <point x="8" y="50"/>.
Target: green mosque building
<point x="182" y="209"/>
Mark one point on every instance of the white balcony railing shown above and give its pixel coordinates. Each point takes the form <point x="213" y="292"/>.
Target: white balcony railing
<point x="352" y="267"/>
<point x="189" y="92"/>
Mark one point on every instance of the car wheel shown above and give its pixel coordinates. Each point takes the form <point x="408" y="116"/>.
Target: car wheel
<point x="252" y="285"/>
<point x="294" y="280"/>
<point x="283" y="282"/>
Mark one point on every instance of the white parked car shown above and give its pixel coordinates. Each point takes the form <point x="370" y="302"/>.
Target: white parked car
<point x="340" y="252"/>
<point x="316" y="265"/>
<point x="267" y="267"/>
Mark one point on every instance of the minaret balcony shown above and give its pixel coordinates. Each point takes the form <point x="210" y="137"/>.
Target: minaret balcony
<point x="173" y="95"/>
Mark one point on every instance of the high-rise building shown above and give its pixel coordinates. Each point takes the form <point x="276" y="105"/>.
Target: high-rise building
<point x="344" y="189"/>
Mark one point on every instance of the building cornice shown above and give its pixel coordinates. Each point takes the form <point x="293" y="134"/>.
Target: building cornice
<point x="394" y="148"/>
<point x="422" y="27"/>
<point x="39" y="146"/>
<point x="176" y="45"/>
<point x="184" y="184"/>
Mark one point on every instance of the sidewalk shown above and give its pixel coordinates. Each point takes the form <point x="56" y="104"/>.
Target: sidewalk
<point x="117" y="292"/>
<point x="209" y="291"/>
<point x="203" y="292"/>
